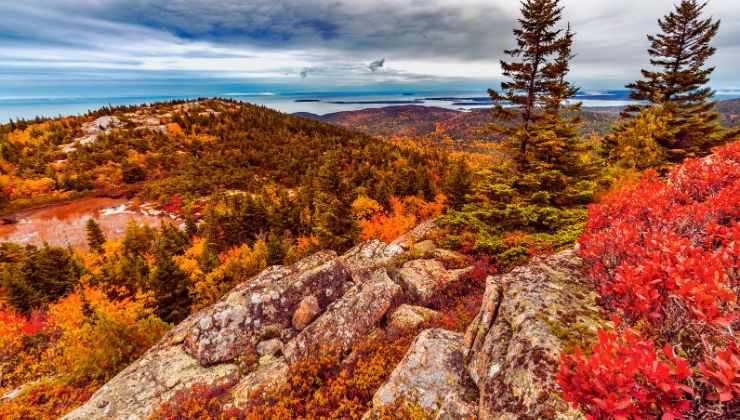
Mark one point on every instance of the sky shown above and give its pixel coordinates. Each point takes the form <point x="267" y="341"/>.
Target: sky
<point x="325" y="43"/>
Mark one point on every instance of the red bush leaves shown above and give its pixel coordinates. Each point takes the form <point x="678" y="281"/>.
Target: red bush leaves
<point x="678" y="240"/>
<point x="722" y="373"/>
<point x="625" y="378"/>
<point x="664" y="257"/>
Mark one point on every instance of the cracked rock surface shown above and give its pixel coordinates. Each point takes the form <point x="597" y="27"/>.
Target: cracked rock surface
<point x="512" y="347"/>
<point x="347" y="320"/>
<point x="432" y="374"/>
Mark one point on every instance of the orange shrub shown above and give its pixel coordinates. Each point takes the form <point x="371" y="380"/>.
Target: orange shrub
<point x="404" y="215"/>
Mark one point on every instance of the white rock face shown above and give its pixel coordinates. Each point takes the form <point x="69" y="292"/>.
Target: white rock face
<point x="347" y="320"/>
<point x="432" y="375"/>
<point x="424" y="280"/>
<point x="153" y="379"/>
<point x="512" y="347"/>
<point x="369" y="255"/>
<point x="409" y="317"/>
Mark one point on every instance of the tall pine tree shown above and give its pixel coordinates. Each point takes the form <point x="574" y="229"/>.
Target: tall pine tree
<point x="678" y="82"/>
<point x="540" y="125"/>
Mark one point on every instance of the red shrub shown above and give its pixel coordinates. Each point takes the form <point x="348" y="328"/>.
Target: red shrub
<point x="198" y="402"/>
<point x="665" y="256"/>
<point x="676" y="241"/>
<point x="36" y="323"/>
<point x="625" y="378"/>
<point x="722" y="374"/>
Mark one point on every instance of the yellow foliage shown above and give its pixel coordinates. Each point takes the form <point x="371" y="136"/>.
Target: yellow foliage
<point x="365" y="207"/>
<point x="174" y="128"/>
<point x="99" y="336"/>
<point x="404" y="215"/>
<point x="237" y="265"/>
<point x="188" y="261"/>
<point x="635" y="141"/>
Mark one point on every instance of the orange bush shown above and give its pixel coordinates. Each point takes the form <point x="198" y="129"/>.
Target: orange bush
<point x="404" y="215"/>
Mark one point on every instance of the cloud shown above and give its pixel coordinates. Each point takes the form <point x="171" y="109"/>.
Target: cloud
<point x="375" y="65"/>
<point x="424" y="39"/>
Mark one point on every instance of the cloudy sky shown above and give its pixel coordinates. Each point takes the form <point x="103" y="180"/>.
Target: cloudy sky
<point x="330" y="42"/>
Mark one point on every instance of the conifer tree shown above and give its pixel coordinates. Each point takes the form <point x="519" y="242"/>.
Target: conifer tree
<point x="678" y="82"/>
<point x="459" y="185"/>
<point x="537" y="85"/>
<point x="95" y="237"/>
<point x="540" y="125"/>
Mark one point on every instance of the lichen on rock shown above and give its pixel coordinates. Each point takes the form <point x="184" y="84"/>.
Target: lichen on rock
<point x="347" y="320"/>
<point x="511" y="347"/>
<point x="432" y="374"/>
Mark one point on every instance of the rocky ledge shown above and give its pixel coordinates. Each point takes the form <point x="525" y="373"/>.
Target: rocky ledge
<point x="502" y="367"/>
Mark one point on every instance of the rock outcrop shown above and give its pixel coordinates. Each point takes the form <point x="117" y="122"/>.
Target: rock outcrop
<point x="501" y="368"/>
<point x="421" y="232"/>
<point x="150" y="381"/>
<point x="370" y="255"/>
<point x="266" y="304"/>
<point x="432" y="374"/>
<point x="409" y="317"/>
<point x="424" y="280"/>
<point x="347" y="320"/>
<point x="512" y="347"/>
<point x="250" y="337"/>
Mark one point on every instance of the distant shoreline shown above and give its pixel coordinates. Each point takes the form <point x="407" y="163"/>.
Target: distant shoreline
<point x="292" y="104"/>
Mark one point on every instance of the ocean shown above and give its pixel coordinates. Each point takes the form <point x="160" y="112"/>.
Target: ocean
<point x="28" y="100"/>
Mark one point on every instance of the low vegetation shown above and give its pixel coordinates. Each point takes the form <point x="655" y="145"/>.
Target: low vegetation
<point x="254" y="188"/>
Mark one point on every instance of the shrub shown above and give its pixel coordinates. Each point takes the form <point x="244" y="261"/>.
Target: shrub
<point x="200" y="401"/>
<point x="721" y="373"/>
<point x="405" y="214"/>
<point x="322" y="387"/>
<point x="624" y="377"/>
<point x="664" y="256"/>
<point x="663" y="248"/>
<point x="100" y="337"/>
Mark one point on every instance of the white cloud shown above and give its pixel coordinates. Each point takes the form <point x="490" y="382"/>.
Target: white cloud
<point x="334" y="39"/>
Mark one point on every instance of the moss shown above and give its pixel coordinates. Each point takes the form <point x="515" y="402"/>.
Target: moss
<point x="576" y="334"/>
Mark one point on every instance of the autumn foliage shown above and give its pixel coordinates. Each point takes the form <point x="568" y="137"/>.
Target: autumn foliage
<point x="664" y="257"/>
<point x="625" y="377"/>
<point x="404" y="214"/>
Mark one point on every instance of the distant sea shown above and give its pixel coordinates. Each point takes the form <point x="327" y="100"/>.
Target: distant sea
<point x="28" y="100"/>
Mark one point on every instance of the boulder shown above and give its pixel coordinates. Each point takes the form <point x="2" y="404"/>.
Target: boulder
<point x="424" y="280"/>
<point x="138" y="390"/>
<point x="255" y="309"/>
<point x="347" y="320"/>
<point x="408" y="318"/>
<point x="527" y="317"/>
<point x="370" y="255"/>
<point x="432" y="375"/>
<point x="421" y="249"/>
<point x="306" y="312"/>
<point x="267" y="376"/>
<point x="422" y="231"/>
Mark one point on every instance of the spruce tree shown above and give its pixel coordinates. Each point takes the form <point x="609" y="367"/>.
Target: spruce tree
<point x="459" y="185"/>
<point x="540" y="126"/>
<point x="95" y="237"/>
<point x="678" y="82"/>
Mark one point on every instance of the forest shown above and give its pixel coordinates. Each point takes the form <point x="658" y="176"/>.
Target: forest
<point x="655" y="220"/>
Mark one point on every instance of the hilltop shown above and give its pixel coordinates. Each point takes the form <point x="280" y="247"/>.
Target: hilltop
<point x="416" y="121"/>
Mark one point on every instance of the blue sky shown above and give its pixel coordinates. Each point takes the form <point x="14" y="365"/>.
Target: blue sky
<point x="313" y="44"/>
